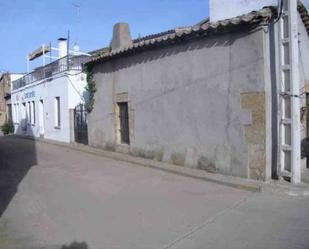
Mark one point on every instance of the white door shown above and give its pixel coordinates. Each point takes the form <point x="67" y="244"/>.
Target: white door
<point x="41" y="117"/>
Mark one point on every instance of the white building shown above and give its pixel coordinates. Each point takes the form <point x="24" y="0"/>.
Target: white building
<point x="44" y="100"/>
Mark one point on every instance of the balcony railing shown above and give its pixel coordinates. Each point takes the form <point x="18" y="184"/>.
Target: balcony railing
<point x="72" y="63"/>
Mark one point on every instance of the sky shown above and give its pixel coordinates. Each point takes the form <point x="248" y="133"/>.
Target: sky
<point x="27" y="24"/>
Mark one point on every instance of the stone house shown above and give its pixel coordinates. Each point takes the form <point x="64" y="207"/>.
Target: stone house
<point x="5" y="96"/>
<point x="4" y="91"/>
<point x="204" y="96"/>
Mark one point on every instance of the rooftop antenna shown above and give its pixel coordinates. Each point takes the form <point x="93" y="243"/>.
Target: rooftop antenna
<point x="68" y="49"/>
<point x="77" y="9"/>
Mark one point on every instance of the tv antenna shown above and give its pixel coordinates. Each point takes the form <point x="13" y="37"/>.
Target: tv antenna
<point x="77" y="7"/>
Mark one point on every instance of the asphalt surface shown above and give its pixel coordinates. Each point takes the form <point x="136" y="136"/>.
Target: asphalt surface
<point x="53" y="197"/>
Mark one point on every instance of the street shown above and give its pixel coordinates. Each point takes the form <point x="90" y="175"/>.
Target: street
<point x="51" y="197"/>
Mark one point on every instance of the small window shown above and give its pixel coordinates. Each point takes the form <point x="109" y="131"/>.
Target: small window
<point x="9" y="112"/>
<point x="57" y="112"/>
<point x="124" y="122"/>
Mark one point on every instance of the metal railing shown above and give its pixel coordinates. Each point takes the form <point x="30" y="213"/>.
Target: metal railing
<point x="64" y="64"/>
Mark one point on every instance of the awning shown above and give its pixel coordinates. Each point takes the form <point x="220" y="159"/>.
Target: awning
<point x="38" y="52"/>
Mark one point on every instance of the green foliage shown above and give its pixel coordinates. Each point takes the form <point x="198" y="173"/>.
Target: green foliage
<point x="90" y="88"/>
<point x="7" y="128"/>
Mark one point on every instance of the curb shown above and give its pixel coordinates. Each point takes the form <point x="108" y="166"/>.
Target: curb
<point x="230" y="181"/>
<point x="282" y="188"/>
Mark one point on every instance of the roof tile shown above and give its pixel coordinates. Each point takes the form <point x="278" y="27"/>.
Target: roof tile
<point x="253" y="18"/>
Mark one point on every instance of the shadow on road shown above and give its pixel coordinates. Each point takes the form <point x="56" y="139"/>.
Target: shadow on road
<point x="76" y="245"/>
<point x="17" y="156"/>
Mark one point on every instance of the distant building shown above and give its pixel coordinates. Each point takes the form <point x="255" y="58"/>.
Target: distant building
<point x="208" y="96"/>
<point x="5" y="96"/>
<point x="45" y="100"/>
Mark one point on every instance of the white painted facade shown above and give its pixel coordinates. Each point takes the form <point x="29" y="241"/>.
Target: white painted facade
<point x="34" y="107"/>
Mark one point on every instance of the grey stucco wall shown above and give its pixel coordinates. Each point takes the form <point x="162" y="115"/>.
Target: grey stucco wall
<point x="186" y="102"/>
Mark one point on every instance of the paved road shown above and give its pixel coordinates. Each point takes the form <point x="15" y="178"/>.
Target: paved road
<point x="53" y="197"/>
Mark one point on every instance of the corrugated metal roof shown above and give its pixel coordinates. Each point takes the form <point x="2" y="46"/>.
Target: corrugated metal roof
<point x="204" y="28"/>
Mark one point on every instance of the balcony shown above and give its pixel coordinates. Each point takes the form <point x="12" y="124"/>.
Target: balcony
<point x="68" y="63"/>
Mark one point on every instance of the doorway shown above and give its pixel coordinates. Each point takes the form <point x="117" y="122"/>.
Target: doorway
<point x="124" y="122"/>
<point x="80" y="124"/>
<point x="41" y="118"/>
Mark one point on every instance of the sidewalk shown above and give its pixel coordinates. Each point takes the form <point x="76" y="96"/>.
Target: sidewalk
<point x="276" y="187"/>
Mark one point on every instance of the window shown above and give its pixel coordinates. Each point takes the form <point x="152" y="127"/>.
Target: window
<point x="57" y="112"/>
<point x="33" y="113"/>
<point x="124" y="122"/>
<point x="9" y="112"/>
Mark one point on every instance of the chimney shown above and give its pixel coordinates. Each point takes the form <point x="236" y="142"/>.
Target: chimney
<point x="121" y="36"/>
<point x="63" y="47"/>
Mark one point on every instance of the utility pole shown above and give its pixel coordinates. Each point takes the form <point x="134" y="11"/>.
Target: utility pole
<point x="295" y="92"/>
<point x="290" y="166"/>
